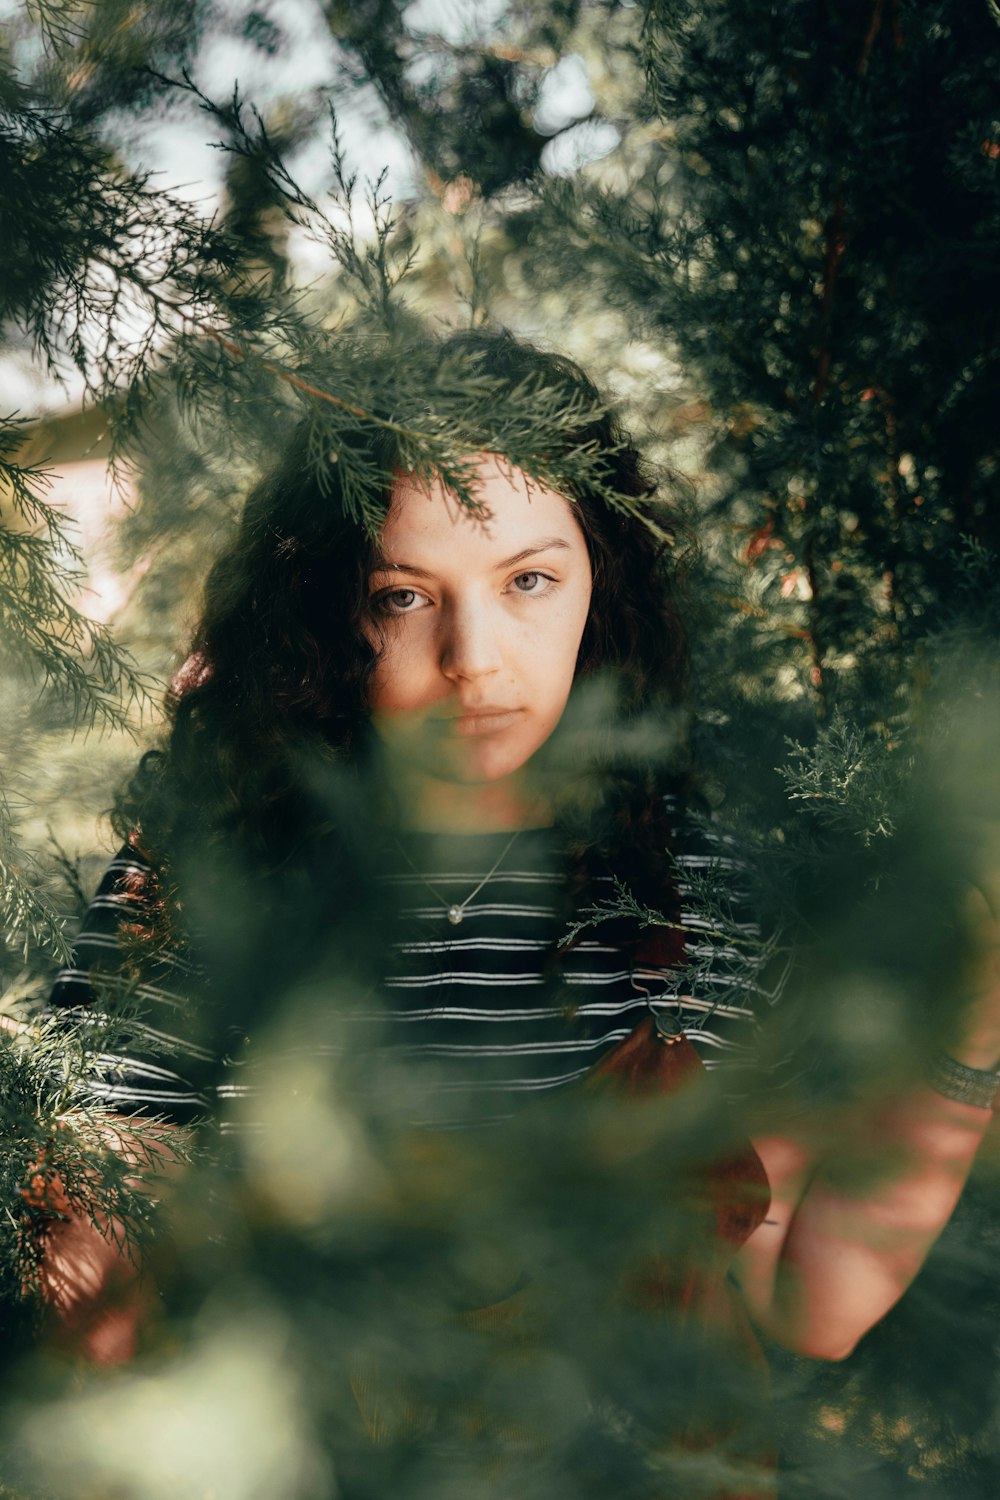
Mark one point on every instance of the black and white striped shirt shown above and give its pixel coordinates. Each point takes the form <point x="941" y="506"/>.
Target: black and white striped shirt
<point x="467" y="1008"/>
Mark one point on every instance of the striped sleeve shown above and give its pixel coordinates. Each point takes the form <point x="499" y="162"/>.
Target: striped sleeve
<point x="133" y="1007"/>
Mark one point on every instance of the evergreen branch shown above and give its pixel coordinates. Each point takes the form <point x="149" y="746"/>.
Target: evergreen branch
<point x="63" y="1151"/>
<point x="622" y="904"/>
<point x="26" y="911"/>
<point x="307" y="389"/>
<point x="848" y="779"/>
<point x="710" y="896"/>
<point x="371" y="271"/>
<point x="25" y="482"/>
<point x="444" y="449"/>
<point x="58" y="23"/>
<point x="69" y="650"/>
<point x="253" y="147"/>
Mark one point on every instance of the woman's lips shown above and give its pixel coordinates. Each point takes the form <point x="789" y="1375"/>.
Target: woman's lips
<point x="491" y="722"/>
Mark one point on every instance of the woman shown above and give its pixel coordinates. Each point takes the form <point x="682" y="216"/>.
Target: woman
<point x="433" y="675"/>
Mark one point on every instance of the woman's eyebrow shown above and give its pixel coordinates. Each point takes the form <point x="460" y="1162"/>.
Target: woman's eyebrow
<point x="543" y="546"/>
<point x="383" y="565"/>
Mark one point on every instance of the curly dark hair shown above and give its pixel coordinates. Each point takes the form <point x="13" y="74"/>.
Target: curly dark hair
<point x="279" y="667"/>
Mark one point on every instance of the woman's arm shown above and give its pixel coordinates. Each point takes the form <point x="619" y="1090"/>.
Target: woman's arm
<point x="858" y="1200"/>
<point x="93" y="1287"/>
<point x="848" y="1229"/>
<point x="89" y="1274"/>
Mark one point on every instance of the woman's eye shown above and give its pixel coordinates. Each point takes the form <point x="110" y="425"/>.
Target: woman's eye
<point x="537" y="583"/>
<point x="396" y="601"/>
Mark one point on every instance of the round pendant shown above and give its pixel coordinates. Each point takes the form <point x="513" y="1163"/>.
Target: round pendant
<point x="455" y="915"/>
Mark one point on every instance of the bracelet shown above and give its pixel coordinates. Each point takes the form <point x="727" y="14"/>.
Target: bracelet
<point x="976" y="1086"/>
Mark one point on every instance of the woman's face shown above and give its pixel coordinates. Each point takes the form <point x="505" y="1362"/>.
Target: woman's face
<point x="481" y="618"/>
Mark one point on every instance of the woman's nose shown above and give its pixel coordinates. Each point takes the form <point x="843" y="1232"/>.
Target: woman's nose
<point x="470" y="645"/>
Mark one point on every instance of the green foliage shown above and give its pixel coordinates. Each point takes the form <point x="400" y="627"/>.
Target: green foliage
<point x="30" y="918"/>
<point x="814" y="231"/>
<point x="44" y="631"/>
<point x="63" y="1150"/>
<point x="850" y="779"/>
<point x="47" y="639"/>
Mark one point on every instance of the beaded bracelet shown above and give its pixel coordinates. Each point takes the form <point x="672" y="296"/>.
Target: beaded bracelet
<point x="977" y="1086"/>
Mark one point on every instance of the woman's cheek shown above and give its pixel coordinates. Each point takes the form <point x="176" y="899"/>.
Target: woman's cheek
<point x="399" y="676"/>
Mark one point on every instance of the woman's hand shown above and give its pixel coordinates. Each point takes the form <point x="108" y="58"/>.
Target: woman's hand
<point x="93" y="1287"/>
<point x="89" y="1275"/>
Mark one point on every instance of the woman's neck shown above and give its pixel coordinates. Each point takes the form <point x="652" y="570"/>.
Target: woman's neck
<point x="431" y="806"/>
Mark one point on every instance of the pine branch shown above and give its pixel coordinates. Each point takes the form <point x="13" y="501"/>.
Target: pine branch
<point x="62" y="1151"/>
<point x="848" y="779"/>
<point x="27" y="913"/>
<point x="59" y="22"/>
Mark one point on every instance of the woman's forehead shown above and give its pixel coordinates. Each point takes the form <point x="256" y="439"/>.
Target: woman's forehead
<point x="514" y="510"/>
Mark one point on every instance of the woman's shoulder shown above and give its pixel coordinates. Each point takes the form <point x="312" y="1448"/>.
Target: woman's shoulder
<point x="126" y="881"/>
<point x="119" y="930"/>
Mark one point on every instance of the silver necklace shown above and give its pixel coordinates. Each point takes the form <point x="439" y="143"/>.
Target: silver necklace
<point x="456" y="910"/>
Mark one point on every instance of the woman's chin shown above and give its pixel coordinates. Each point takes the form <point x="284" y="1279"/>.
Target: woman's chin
<point x="422" y="751"/>
<point x="472" y="765"/>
